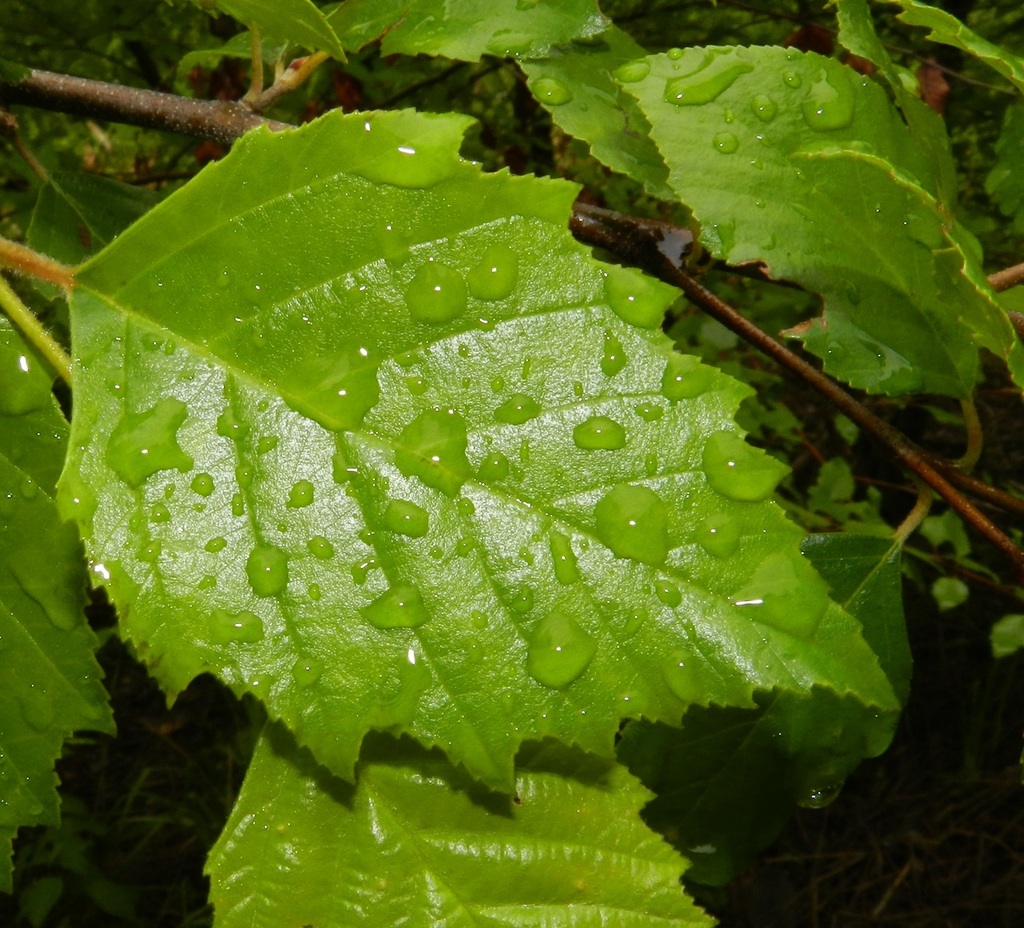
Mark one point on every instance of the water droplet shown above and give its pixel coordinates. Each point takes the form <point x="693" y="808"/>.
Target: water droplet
<point x="159" y="513"/>
<point x="216" y="544"/>
<point x="786" y="593"/>
<point x="649" y="412"/>
<point x="650" y="464"/>
<point x="406" y="518"/>
<point x="681" y="673"/>
<point x="300" y="495"/>
<point x="613" y="359"/>
<point x="551" y="92"/>
<point x="726" y="143"/>
<point x="634" y="298"/>
<point x="632" y="522"/>
<point x="361" y="570"/>
<point x="433" y="448"/>
<point x="208" y="582"/>
<point x="792" y="79"/>
<point x="237" y="505"/>
<point x="764" y="107"/>
<point x="144" y="443"/>
<point x="436" y="293"/>
<point x="416" y="385"/>
<point x="719" y="535"/>
<point x="495" y="275"/>
<point x="243" y="627"/>
<point x="716" y="75"/>
<point x="267" y="569"/>
<point x="817" y="797"/>
<point x="566" y="569"/>
<point x="493" y="467"/>
<point x="674" y="54"/>
<point x="150" y="552"/>
<point x="202" y="484"/>
<point x="599" y="432"/>
<point x="632" y="71"/>
<point x="527" y="555"/>
<point x="521" y="601"/>
<point x="388" y="159"/>
<point x="740" y="471"/>
<point x="478" y="619"/>
<point x="517" y="409"/>
<point x="230" y="426"/>
<point x="685" y="378"/>
<point x="399" y="607"/>
<point x="497" y="384"/>
<point x="306" y="671"/>
<point x="23" y="387"/>
<point x="339" y="389"/>
<point x="463" y="546"/>
<point x="320" y="547"/>
<point x="29" y="488"/>
<point x="560" y="650"/>
<point x="668" y="593"/>
<point x="830" y="101"/>
<point x="37" y="709"/>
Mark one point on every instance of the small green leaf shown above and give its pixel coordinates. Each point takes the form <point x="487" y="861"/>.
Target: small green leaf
<point x="419" y="843"/>
<point x="1007" y="635"/>
<point x="298" y="21"/>
<point x="51" y="679"/>
<point x="950" y="592"/>
<point x="1005" y="182"/>
<point x="467" y="29"/>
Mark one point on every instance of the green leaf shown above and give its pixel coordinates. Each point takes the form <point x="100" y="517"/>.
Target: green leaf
<point x="51" y="678"/>
<point x="467" y="29"/>
<point x="419" y="843"/>
<point x="1005" y="182"/>
<point x="1007" y="635"/>
<point x="576" y="85"/>
<point x="728" y="779"/>
<point x="948" y="30"/>
<point x="371" y="439"/>
<point x="298" y="21"/>
<point x="795" y="160"/>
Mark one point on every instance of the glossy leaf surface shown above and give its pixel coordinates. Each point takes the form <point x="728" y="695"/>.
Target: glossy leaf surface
<point x="467" y="29"/>
<point x="298" y="21"/>
<point x="417" y="842"/>
<point x="51" y="681"/>
<point x="342" y="438"/>
<point x="797" y="161"/>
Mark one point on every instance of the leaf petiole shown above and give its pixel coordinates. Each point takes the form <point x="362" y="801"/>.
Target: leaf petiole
<point x="34" y="330"/>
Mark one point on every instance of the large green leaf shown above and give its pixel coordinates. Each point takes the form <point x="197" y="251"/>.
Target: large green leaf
<point x="365" y="432"/>
<point x="1005" y="182"/>
<point x="51" y="681"/>
<point x="795" y="160"/>
<point x="467" y="29"/>
<point x="728" y="779"/>
<point x="298" y="21"/>
<point x="416" y="842"/>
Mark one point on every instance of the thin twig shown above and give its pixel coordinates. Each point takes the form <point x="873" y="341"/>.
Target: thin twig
<point x="1006" y="278"/>
<point x="290" y="80"/>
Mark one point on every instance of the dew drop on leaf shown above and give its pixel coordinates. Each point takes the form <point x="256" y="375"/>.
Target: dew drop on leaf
<point x="392" y="161"/>
<point x="400" y="607"/>
<point x="632" y="71"/>
<point x="817" y="797"/>
<point x="433" y="447"/>
<point x="786" y="593"/>
<point x="37" y="709"/>
<point x="613" y="358"/>
<point x="159" y="513"/>
<point x="495" y="275"/>
<point x="306" y="671"/>
<point x="685" y="378"/>
<point x="719" y="535"/>
<point x="681" y="675"/>
<point x="566" y="570"/>
<point x="416" y="385"/>
<point x="22" y="387"/>
<point x="726" y="143"/>
<point x="517" y="409"/>
<point x="267" y="569"/>
<point x="633" y="298"/>
<point x="339" y="389"/>
<point x="300" y="495"/>
<point x="493" y="467"/>
<point x="202" y="484"/>
<point x="521" y="601"/>
<point x="361" y="570"/>
<point x="320" y="547"/>
<point x="559" y="651"/>
<point x="599" y="432"/>
<point x="740" y="471"/>
<point x="313" y="591"/>
<point x="230" y="426"/>
<point x="243" y="627"/>
<point x="792" y="79"/>
<point x="436" y="293"/>
<point x="715" y="76"/>
<point x="406" y="518"/>
<point x="633" y="523"/>
<point x="764" y="107"/>
<point x="237" y="505"/>
<point x="552" y="92"/>
<point x="465" y="506"/>
<point x="829" y="103"/>
<point x="266" y="443"/>
<point x="216" y="544"/>
<point x="149" y="552"/>
<point x="144" y="443"/>
<point x="668" y="593"/>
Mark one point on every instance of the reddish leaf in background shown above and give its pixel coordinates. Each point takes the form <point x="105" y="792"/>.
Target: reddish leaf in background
<point x="860" y="65"/>
<point x="934" y="86"/>
<point x="812" y="39"/>
<point x="348" y="90"/>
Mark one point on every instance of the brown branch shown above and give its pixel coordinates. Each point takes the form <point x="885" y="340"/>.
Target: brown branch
<point x="1006" y="278"/>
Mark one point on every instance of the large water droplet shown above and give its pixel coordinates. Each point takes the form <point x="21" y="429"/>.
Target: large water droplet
<point x="306" y="671"/>
<point x="300" y="495"/>
<point x="495" y="275"/>
<point x="634" y="298"/>
<point x="320" y="547"/>
<point x="785" y="593"/>
<point x="243" y="627"/>
<point x="144" y="443"/>
<point x="819" y="796"/>
<point x="685" y="378"/>
<point x="738" y="470"/>
<point x="726" y="142"/>
<point x="716" y="75"/>
<point x="632" y="522"/>
<point x="564" y="558"/>
<point x="613" y="358"/>
<point x="681" y="671"/>
<point x="436" y="293"/>
<point x="521" y="600"/>
<point x="599" y="432"/>
<point x="231" y="426"/>
<point x="764" y="107"/>
<point x="560" y="650"/>
<point x="216" y="544"/>
<point x="339" y="389"/>
<point x="433" y="448"/>
<point x="517" y="409"/>
<point x="400" y="607"/>
<point x="388" y="159"/>
<point x="407" y="518"/>
<point x="719" y="535"/>
<point x="493" y="467"/>
<point x="267" y="569"/>
<point x="23" y="387"/>
<point x="830" y="101"/>
<point x="668" y="593"/>
<point x="202" y="484"/>
<point x="551" y="92"/>
<point x="632" y="71"/>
